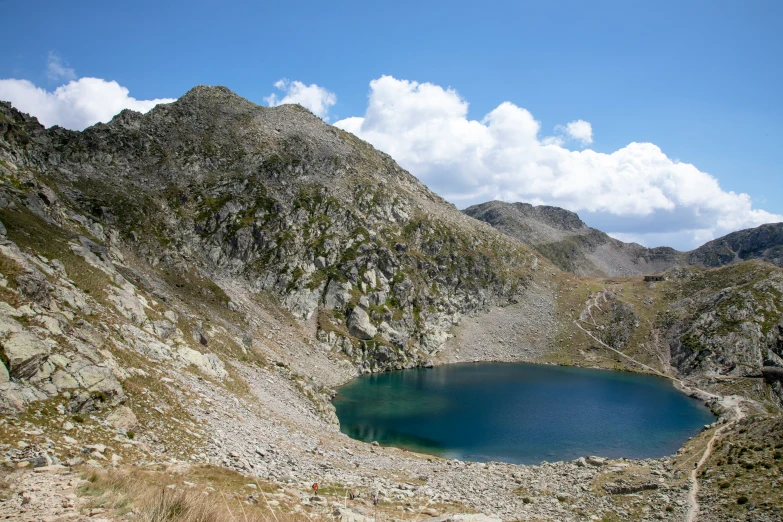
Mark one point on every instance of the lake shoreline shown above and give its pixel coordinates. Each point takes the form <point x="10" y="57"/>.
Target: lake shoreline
<point x="372" y="405"/>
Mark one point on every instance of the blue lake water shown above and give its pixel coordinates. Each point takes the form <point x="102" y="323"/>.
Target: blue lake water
<point x="520" y="413"/>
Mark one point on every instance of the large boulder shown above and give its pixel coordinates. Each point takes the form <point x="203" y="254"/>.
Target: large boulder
<point x="596" y="461"/>
<point x="342" y="514"/>
<point x="96" y="378"/>
<point x="207" y="363"/>
<point x="163" y="329"/>
<point x="302" y="303"/>
<point x="337" y="295"/>
<point x="25" y="353"/>
<point x="9" y="325"/>
<point x="123" y="418"/>
<point x="63" y="380"/>
<point x="127" y="304"/>
<point x="34" y="286"/>
<point x="359" y="324"/>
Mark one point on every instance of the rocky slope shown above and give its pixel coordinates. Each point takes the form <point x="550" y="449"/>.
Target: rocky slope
<point x="569" y="243"/>
<point x="182" y="291"/>
<point x="277" y="199"/>
<point x="720" y="328"/>
<point x="764" y="242"/>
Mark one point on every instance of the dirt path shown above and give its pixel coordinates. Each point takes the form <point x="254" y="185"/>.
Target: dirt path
<point x="594" y="302"/>
<point x="46" y="494"/>
<point x="621" y="354"/>
<point x="693" y="502"/>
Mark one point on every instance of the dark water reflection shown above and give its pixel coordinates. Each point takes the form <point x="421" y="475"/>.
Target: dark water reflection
<point x="521" y="413"/>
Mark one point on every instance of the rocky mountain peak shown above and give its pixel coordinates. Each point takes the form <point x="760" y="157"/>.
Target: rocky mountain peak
<point x="511" y="214"/>
<point x="127" y="118"/>
<point x="563" y="238"/>
<point x="208" y="98"/>
<point x="556" y="217"/>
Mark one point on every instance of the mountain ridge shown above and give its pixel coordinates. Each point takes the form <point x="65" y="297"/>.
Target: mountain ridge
<point x="562" y="237"/>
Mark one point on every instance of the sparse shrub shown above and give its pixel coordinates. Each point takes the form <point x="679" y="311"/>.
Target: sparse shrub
<point x="669" y="509"/>
<point x="742" y="500"/>
<point x="146" y="495"/>
<point x="526" y="500"/>
<point x="130" y="434"/>
<point x="724" y="485"/>
<point x="5" y="487"/>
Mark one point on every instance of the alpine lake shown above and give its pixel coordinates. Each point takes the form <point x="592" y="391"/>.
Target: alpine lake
<point x="520" y="413"/>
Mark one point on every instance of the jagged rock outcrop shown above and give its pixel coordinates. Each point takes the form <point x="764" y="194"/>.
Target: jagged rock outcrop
<point x="729" y="323"/>
<point x="24" y="352"/>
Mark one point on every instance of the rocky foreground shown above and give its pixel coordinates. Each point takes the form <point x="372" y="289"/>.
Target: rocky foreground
<point x="182" y="291"/>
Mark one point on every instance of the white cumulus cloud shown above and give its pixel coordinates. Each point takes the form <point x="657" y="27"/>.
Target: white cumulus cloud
<point x="75" y="105"/>
<point x="578" y="130"/>
<point x="636" y="192"/>
<point x="312" y="97"/>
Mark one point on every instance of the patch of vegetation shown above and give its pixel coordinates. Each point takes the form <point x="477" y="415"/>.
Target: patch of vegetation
<point x="5" y="485"/>
<point x="192" y="287"/>
<point x="203" y="494"/>
<point x="747" y="471"/>
<point x="35" y="235"/>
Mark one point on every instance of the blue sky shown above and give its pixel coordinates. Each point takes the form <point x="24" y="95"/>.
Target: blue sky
<point x="701" y="81"/>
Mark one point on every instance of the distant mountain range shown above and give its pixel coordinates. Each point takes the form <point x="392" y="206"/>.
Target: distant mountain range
<point x="563" y="238"/>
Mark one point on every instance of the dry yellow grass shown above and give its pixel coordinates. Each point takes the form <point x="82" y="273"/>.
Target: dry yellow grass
<point x="148" y="497"/>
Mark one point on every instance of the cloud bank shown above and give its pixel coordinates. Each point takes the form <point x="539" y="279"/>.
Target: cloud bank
<point x="635" y="193"/>
<point x="75" y="105"/>
<point x="312" y="97"/>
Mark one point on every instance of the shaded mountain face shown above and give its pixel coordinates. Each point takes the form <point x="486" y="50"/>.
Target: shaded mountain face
<point x="764" y="242"/>
<point x="278" y="202"/>
<point x="563" y="238"/>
